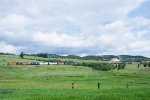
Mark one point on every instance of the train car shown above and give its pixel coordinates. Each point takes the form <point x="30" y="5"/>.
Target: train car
<point x="25" y="63"/>
<point x="43" y="63"/>
<point x="35" y="63"/>
<point x="17" y="63"/>
<point x="60" y="63"/>
<point x="52" y="63"/>
<point x="12" y="63"/>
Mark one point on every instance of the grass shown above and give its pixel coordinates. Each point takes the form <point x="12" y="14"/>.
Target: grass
<point x="66" y="94"/>
<point x="55" y="82"/>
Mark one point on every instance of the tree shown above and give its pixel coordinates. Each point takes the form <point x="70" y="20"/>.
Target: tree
<point x="44" y="55"/>
<point x="115" y="66"/>
<point x="149" y="64"/>
<point x="121" y="66"/>
<point x="138" y="65"/>
<point x="145" y="64"/>
<point x="22" y="55"/>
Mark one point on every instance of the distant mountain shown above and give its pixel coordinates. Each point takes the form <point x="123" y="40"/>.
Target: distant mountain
<point x="124" y="58"/>
<point x="132" y="58"/>
<point x="106" y="57"/>
<point x="129" y="56"/>
<point x="1" y="53"/>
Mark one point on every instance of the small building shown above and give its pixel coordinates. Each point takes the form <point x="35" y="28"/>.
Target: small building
<point x="115" y="60"/>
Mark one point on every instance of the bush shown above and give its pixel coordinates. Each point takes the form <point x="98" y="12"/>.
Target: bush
<point x="145" y="64"/>
<point x="99" y="66"/>
<point x="121" y="66"/>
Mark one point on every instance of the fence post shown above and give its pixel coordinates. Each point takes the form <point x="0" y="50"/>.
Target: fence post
<point x="72" y="85"/>
<point x="98" y="85"/>
<point x="127" y="85"/>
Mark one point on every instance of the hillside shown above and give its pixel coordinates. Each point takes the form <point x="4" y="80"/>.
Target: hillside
<point x="45" y="82"/>
<point x="103" y="57"/>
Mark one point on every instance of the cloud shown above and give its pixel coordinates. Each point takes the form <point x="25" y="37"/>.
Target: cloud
<point x="59" y="40"/>
<point x="8" y="48"/>
<point x="74" y="26"/>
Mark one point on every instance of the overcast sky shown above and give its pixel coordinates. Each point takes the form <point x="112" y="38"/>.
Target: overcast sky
<point x="82" y="27"/>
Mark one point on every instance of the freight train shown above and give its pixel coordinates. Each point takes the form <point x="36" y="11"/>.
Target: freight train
<point x="36" y="63"/>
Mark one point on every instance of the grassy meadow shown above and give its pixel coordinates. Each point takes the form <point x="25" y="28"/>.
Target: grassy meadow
<point x="55" y="82"/>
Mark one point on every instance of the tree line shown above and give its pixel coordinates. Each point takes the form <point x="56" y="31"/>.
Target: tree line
<point x="124" y="58"/>
<point x="44" y="55"/>
<point x="102" y="66"/>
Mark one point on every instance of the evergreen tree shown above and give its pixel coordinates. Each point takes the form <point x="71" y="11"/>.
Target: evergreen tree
<point x="45" y="55"/>
<point x="22" y="55"/>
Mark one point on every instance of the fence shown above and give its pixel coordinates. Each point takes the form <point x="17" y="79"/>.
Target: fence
<point x="98" y="85"/>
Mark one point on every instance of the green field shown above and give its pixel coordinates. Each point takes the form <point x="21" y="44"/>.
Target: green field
<point x="55" y="82"/>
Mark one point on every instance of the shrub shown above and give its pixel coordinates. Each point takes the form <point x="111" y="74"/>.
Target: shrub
<point x="99" y="66"/>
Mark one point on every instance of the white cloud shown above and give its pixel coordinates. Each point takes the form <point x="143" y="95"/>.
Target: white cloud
<point x="13" y="22"/>
<point x="81" y="26"/>
<point x="8" y="48"/>
<point x="59" y="40"/>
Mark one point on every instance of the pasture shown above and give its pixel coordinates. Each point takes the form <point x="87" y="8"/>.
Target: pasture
<point x="55" y="82"/>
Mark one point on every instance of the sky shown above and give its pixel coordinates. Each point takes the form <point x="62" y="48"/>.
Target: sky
<point x="79" y="27"/>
